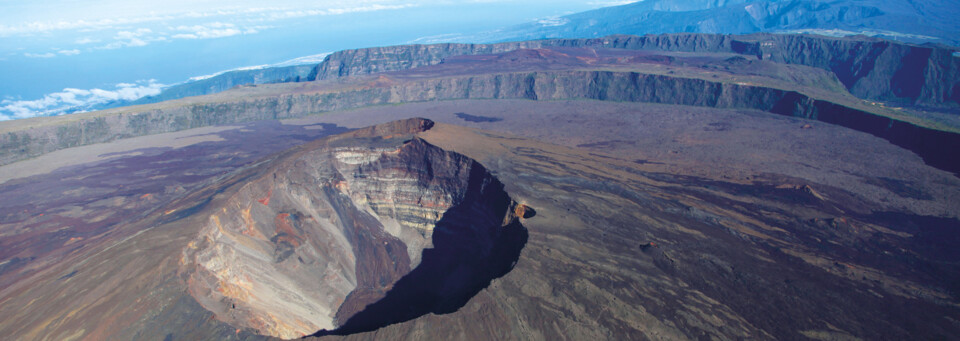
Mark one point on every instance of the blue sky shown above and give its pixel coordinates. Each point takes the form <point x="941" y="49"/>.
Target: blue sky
<point x="82" y="26"/>
<point x="59" y="56"/>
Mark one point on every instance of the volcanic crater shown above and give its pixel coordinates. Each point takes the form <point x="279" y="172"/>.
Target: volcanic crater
<point x="353" y="233"/>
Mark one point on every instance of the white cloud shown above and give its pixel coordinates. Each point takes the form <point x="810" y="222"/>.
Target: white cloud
<point x="30" y="28"/>
<point x="138" y="37"/>
<point x="72" y="100"/>
<point x="207" y="31"/>
<point x="292" y="9"/>
<point x="40" y="55"/>
<point x="128" y="43"/>
<point x="440" y="38"/>
<point x="86" y="40"/>
<point x="257" y="28"/>
<point x="554" y="21"/>
<point x="612" y="3"/>
<point x="133" y="34"/>
<point x="289" y="14"/>
<point x="185" y="36"/>
<point x="844" y="33"/>
<point x="311" y="59"/>
<point x="244" y="68"/>
<point x="207" y="20"/>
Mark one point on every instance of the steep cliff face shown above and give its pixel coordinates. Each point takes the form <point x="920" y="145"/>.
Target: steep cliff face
<point x="540" y="85"/>
<point x="404" y="57"/>
<point x="874" y="69"/>
<point x="331" y="229"/>
<point x="870" y="68"/>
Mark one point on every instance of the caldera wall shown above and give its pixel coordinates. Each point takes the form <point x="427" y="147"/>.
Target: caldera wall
<point x="330" y="229"/>
<point x="870" y="68"/>
<point x="931" y="144"/>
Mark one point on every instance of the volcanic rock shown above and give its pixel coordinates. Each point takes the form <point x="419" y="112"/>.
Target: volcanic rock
<point x="331" y="228"/>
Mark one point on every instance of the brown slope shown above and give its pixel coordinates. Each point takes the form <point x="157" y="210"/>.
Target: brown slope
<point x="294" y="243"/>
<point x="616" y="251"/>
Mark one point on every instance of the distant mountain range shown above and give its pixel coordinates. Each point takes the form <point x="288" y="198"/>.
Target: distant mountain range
<point x="917" y="21"/>
<point x="914" y="21"/>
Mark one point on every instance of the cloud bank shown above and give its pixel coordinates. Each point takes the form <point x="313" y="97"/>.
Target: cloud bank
<point x="612" y="3"/>
<point x="39" y="55"/>
<point x="208" y="31"/>
<point x="311" y="59"/>
<point x="144" y="28"/>
<point x="76" y="100"/>
<point x="239" y="16"/>
<point x="72" y="100"/>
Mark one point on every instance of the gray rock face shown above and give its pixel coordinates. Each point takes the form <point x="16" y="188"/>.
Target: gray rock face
<point x="552" y="85"/>
<point x="870" y="68"/>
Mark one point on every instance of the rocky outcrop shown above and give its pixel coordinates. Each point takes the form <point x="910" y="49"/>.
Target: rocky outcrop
<point x="328" y="230"/>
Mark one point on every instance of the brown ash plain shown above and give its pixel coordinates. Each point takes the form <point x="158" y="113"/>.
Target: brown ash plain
<point x="497" y="218"/>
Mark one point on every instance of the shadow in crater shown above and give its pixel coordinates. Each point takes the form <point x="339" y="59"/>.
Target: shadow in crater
<point x="472" y="247"/>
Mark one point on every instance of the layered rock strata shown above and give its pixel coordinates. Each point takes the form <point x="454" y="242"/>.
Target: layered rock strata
<point x="870" y="68"/>
<point x="329" y="229"/>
